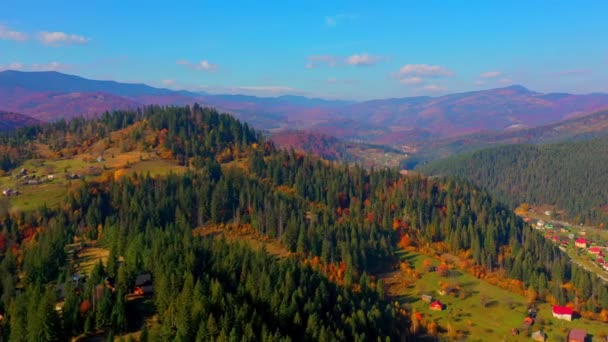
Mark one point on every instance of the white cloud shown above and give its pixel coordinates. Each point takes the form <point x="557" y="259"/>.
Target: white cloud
<point x="8" y="34"/>
<point x="411" y="80"/>
<point x="168" y="82"/>
<point x="480" y="82"/>
<point x="505" y="81"/>
<point x="62" y="38"/>
<point x="331" y="61"/>
<point x="424" y="70"/>
<point x="332" y="21"/>
<point x="318" y="60"/>
<point x="333" y="80"/>
<point x="11" y="66"/>
<point x="52" y="66"/>
<point x="433" y="88"/>
<point x="362" y="59"/>
<point x="255" y="90"/>
<point x="203" y="65"/>
<point x="491" y="74"/>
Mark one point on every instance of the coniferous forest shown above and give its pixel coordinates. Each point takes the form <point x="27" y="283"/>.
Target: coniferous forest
<point x="340" y="224"/>
<point x="567" y="175"/>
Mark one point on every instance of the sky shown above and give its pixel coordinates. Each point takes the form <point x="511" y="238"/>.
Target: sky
<point x="332" y="49"/>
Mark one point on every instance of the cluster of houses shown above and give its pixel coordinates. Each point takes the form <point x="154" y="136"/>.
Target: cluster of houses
<point x="10" y="192"/>
<point x="142" y="288"/>
<point x="434" y="305"/>
<point x="595" y="251"/>
<point x="580" y="242"/>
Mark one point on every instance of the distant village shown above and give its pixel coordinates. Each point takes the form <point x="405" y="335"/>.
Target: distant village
<point x="566" y="237"/>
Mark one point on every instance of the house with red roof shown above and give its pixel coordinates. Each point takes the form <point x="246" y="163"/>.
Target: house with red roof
<point x="436" y="306"/>
<point x="577" y="335"/>
<point x="562" y="312"/>
<point x="580" y="243"/>
<point x="595" y="250"/>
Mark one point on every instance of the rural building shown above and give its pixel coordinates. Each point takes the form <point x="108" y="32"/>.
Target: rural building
<point x="539" y="336"/>
<point x="580" y="243"/>
<point x="436" y="306"/>
<point x="562" y="312"/>
<point x="143" y="285"/>
<point x="540" y="224"/>
<point x="528" y="321"/>
<point x="595" y="250"/>
<point x="146" y="290"/>
<point x="10" y="192"/>
<point x="143" y="279"/>
<point x="577" y="335"/>
<point x="427" y="298"/>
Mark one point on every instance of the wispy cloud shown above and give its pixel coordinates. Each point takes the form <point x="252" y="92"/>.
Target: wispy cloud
<point x="435" y="88"/>
<point x="416" y="74"/>
<point x="318" y="60"/>
<point x="570" y="72"/>
<point x="411" y="80"/>
<point x="491" y="74"/>
<point x="168" y="83"/>
<point x="333" y="80"/>
<point x="203" y="65"/>
<point x="362" y="59"/>
<point x="332" y="21"/>
<point x="62" y="38"/>
<point x="505" y="81"/>
<point x="52" y="66"/>
<point x="255" y="90"/>
<point x="424" y="70"/>
<point x="12" y="66"/>
<point x="7" y="34"/>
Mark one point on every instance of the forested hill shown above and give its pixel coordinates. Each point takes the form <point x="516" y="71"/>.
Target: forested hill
<point x="571" y="176"/>
<point x="339" y="225"/>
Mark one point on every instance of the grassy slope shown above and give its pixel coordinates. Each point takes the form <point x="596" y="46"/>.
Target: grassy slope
<point x="504" y="310"/>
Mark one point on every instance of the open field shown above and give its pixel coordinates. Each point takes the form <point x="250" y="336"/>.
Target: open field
<point x="88" y="257"/>
<point x="481" y="312"/>
<point x="54" y="185"/>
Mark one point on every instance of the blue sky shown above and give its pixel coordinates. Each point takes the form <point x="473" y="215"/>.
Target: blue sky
<point x="337" y="49"/>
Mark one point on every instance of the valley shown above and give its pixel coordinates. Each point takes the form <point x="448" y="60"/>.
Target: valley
<point x="350" y="171"/>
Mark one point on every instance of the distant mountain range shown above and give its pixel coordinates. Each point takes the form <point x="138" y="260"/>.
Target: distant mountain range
<point x="575" y="129"/>
<point x="408" y="121"/>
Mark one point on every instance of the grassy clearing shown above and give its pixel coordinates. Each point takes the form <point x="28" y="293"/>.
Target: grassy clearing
<point x="482" y="312"/>
<point x="255" y="240"/>
<point x="88" y="257"/>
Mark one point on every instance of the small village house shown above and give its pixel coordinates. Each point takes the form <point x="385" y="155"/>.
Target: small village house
<point x="562" y="312"/>
<point x="540" y="224"/>
<point x="427" y="298"/>
<point x="528" y="321"/>
<point x="436" y="306"/>
<point x="595" y="250"/>
<point x="143" y="285"/>
<point x="577" y="335"/>
<point x="580" y="243"/>
<point x="539" y="336"/>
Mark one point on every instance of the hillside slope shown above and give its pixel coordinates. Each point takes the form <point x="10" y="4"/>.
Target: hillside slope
<point x="10" y="121"/>
<point x="583" y="127"/>
<point x="571" y="176"/>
